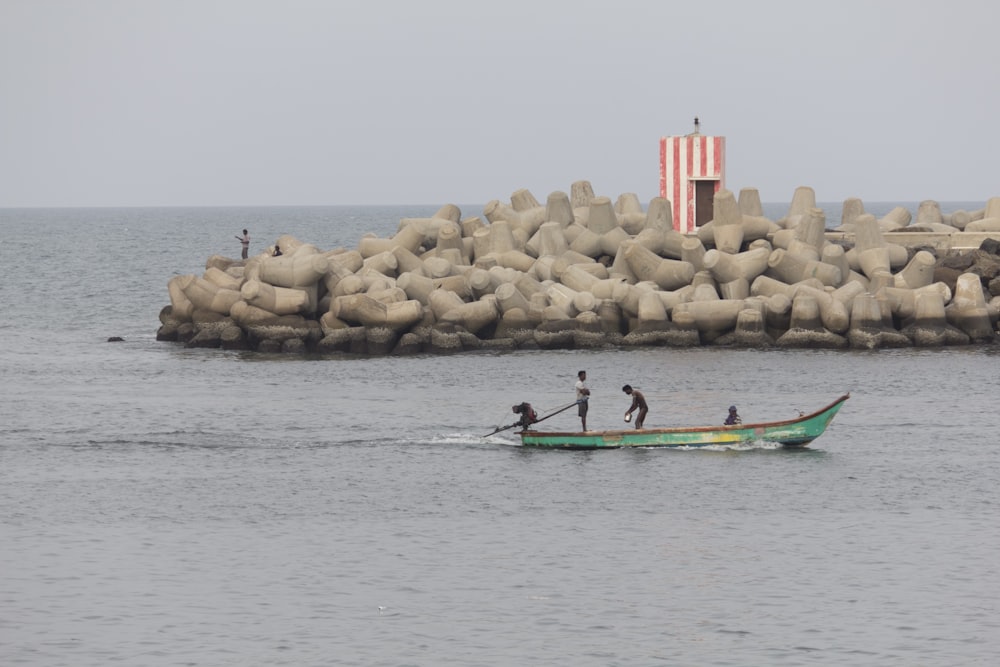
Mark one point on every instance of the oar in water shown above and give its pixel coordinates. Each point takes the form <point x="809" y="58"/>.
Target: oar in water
<point x="501" y="428"/>
<point x="518" y="423"/>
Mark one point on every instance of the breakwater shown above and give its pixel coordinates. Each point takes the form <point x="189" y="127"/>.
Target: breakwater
<point x="583" y="271"/>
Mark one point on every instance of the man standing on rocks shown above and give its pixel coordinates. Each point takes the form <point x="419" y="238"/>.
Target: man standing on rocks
<point x="245" y="240"/>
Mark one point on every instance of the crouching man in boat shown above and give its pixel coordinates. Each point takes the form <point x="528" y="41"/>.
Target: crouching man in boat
<point x="638" y="403"/>
<point x="528" y="415"/>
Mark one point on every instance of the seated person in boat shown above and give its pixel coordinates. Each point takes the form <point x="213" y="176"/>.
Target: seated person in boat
<point x="733" y="417"/>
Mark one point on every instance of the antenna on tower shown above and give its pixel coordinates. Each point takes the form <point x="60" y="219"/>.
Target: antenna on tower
<point x="697" y="125"/>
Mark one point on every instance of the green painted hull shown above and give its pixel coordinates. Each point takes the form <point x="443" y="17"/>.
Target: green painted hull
<point x="797" y="432"/>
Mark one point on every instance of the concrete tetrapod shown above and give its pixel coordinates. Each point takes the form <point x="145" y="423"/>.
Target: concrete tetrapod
<point x="806" y="328"/>
<point x="711" y="318"/>
<point x="727" y="225"/>
<point x="930" y="326"/>
<point x="833" y="314"/>
<point x="302" y="269"/>
<point x="363" y="310"/>
<point x="791" y="268"/>
<point x="902" y="301"/>
<point x="208" y="296"/>
<point x="967" y="310"/>
<point x="919" y="272"/>
<point x="668" y="274"/>
<point x="750" y="328"/>
<point x="868" y="330"/>
<point x="180" y="306"/>
<point x="278" y="300"/>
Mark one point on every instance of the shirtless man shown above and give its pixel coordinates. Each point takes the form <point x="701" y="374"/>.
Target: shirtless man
<point x="638" y="403"/>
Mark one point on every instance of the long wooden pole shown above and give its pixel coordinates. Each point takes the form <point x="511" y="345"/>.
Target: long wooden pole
<point x="518" y="423"/>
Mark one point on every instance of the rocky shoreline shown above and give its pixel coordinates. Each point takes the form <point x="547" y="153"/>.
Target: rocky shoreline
<point x="581" y="271"/>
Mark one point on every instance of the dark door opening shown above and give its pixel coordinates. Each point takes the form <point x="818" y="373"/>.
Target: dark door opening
<point x="704" y="202"/>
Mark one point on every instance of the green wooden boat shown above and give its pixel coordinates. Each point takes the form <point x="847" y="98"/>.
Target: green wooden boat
<point x="797" y="432"/>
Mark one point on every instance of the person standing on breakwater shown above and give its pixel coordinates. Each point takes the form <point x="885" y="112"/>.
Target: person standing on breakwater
<point x="638" y="403"/>
<point x="245" y="240"/>
<point x="582" y="397"/>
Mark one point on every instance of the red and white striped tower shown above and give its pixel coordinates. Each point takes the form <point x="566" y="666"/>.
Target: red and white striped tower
<point x="692" y="170"/>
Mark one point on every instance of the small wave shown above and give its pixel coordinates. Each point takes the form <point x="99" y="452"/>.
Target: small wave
<point x="173" y="442"/>
<point x="475" y="439"/>
<point x="756" y="445"/>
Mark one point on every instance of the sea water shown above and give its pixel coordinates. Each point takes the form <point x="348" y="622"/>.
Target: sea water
<point x="167" y="506"/>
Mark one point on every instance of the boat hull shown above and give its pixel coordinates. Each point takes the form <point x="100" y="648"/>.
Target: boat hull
<point x="797" y="432"/>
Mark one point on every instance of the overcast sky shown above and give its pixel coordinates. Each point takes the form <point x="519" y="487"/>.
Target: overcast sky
<point x="243" y="102"/>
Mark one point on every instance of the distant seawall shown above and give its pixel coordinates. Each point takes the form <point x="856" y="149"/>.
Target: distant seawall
<point x="581" y="271"/>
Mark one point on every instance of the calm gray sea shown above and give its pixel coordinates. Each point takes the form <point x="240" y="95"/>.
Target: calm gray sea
<point x="165" y="506"/>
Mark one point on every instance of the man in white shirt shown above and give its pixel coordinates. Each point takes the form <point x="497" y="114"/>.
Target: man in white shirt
<point x="245" y="242"/>
<point x="582" y="397"/>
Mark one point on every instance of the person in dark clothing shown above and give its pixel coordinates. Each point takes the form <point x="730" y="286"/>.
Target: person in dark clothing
<point x="638" y="403"/>
<point x="733" y="418"/>
<point x="528" y="415"/>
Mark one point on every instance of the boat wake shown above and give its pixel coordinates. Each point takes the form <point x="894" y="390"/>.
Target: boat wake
<point x="447" y="440"/>
<point x="501" y="439"/>
<point x="515" y="441"/>
<point x="735" y="447"/>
